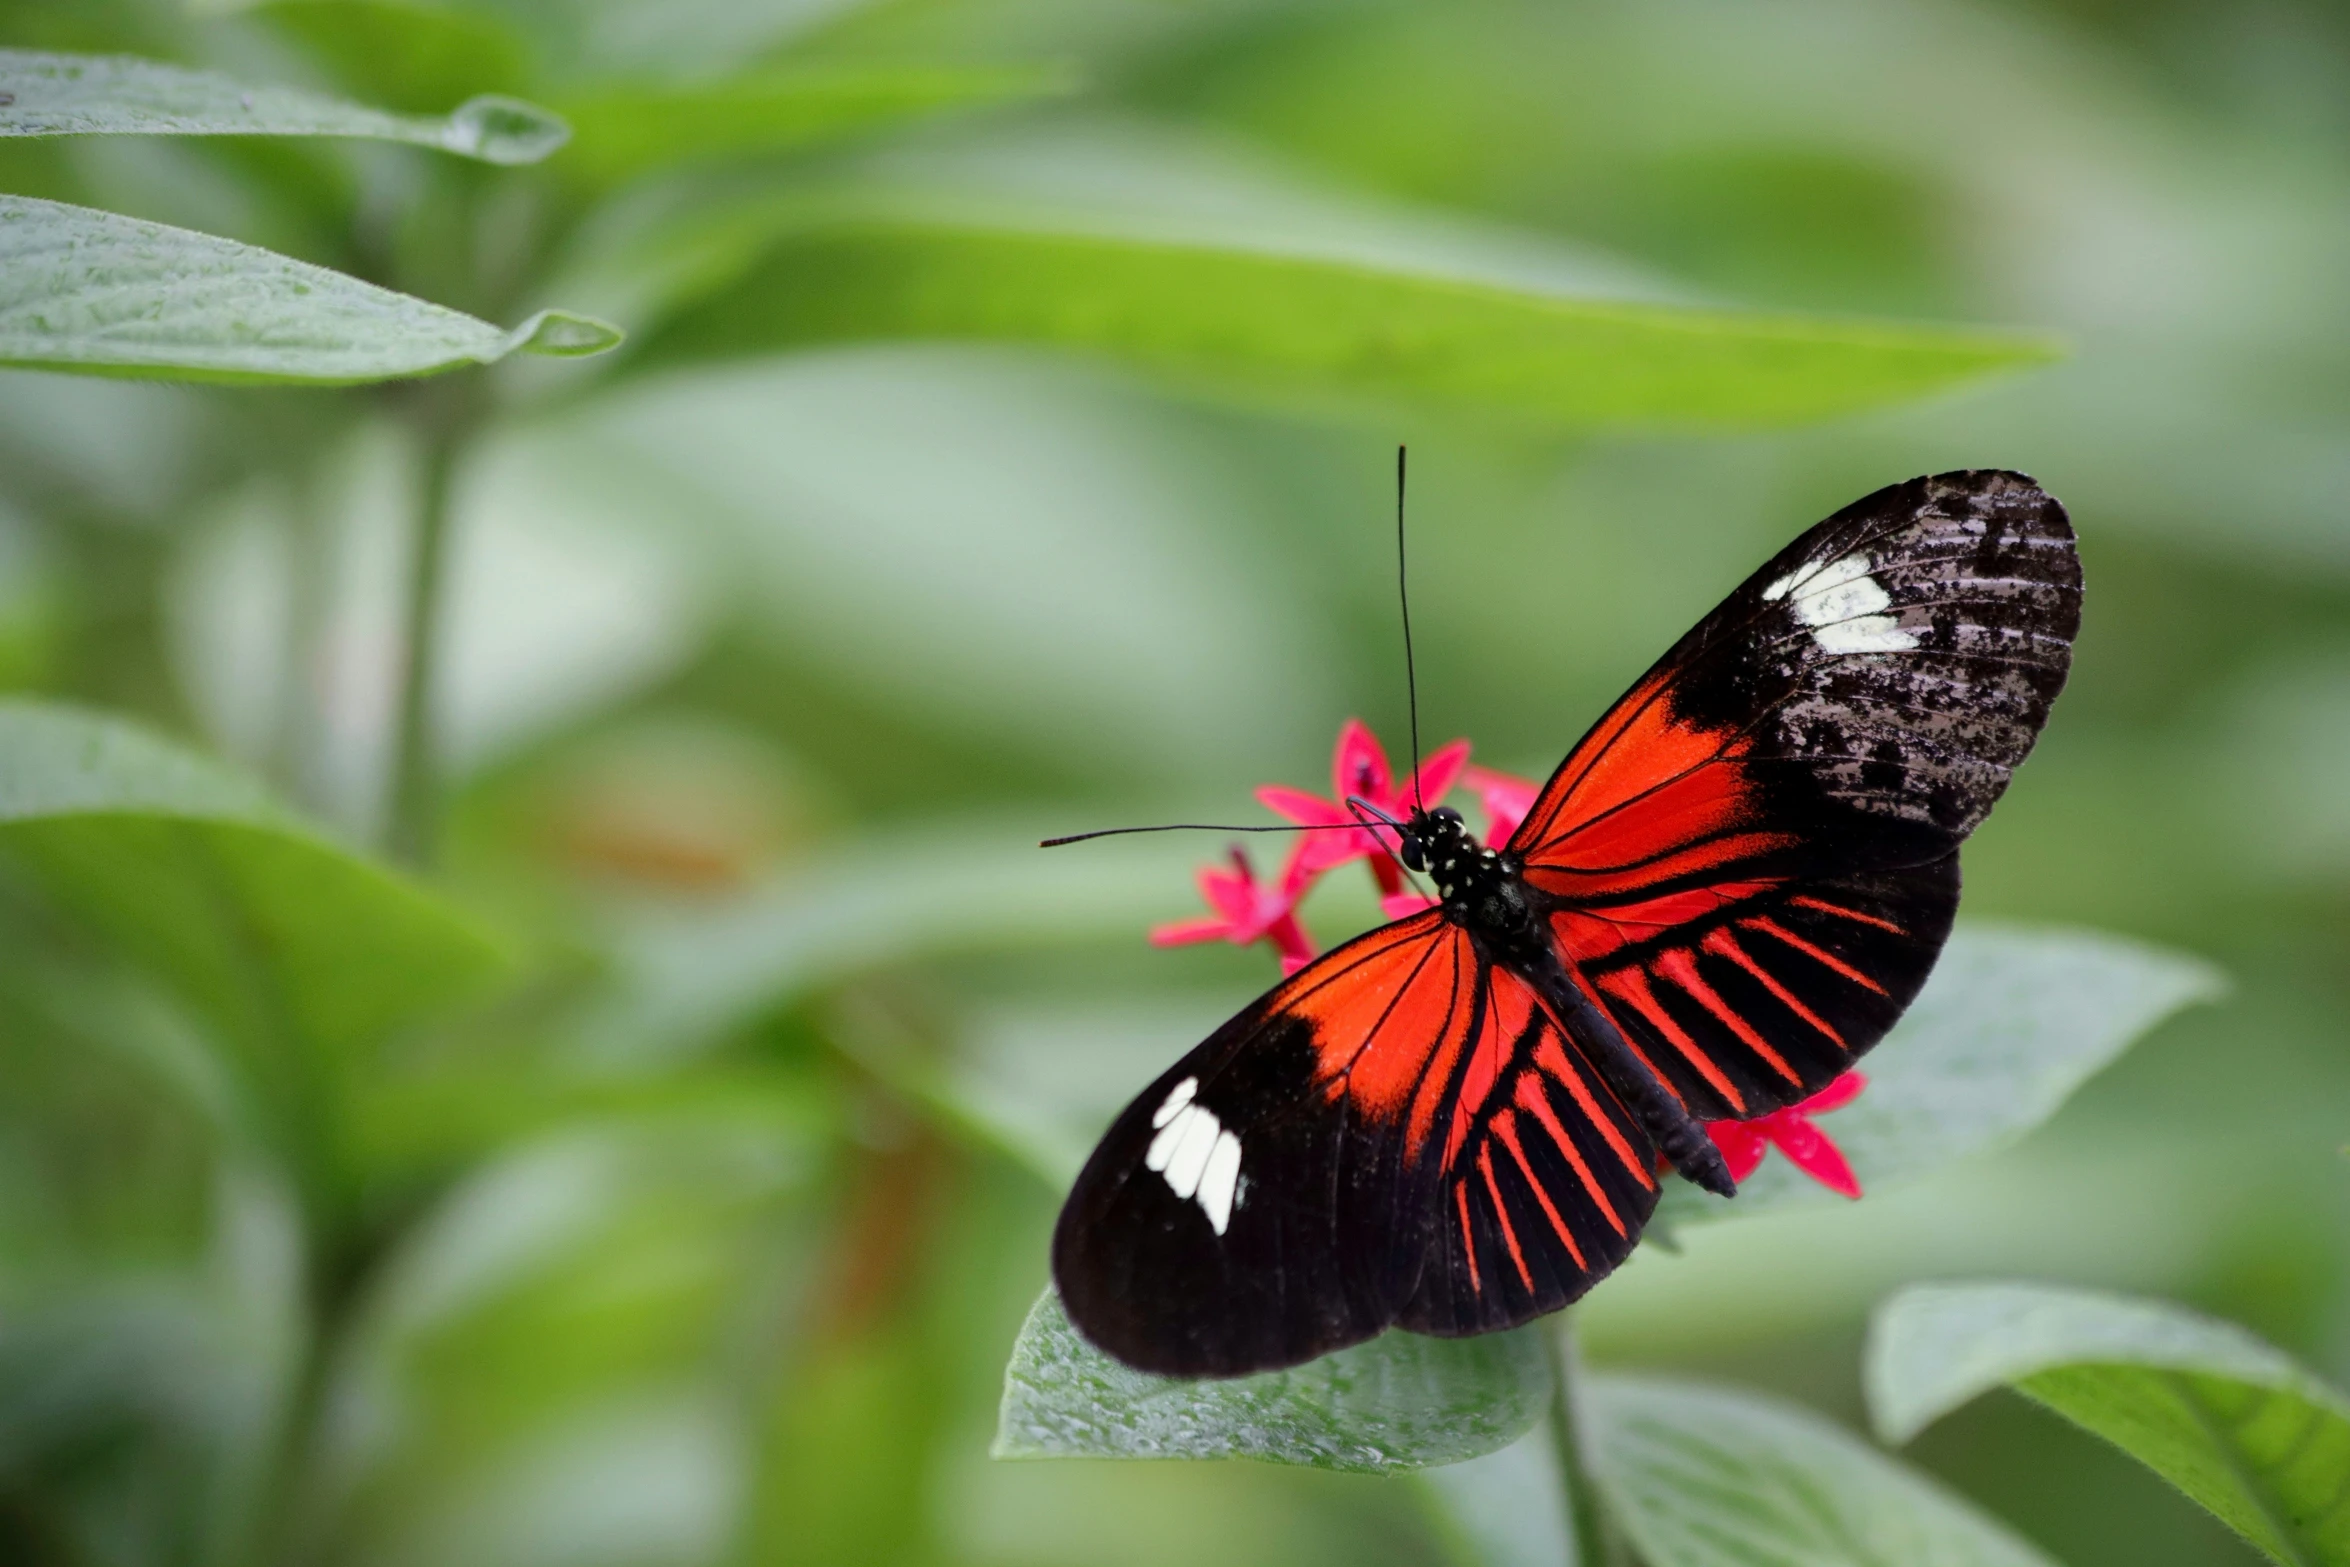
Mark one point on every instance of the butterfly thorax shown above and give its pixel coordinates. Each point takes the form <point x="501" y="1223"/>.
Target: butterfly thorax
<point x="1481" y="889"/>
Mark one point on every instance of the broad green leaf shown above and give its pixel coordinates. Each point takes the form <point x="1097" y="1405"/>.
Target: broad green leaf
<point x="2012" y="1022"/>
<point x="620" y="132"/>
<point x="109" y="295"/>
<point x="1400" y="1401"/>
<point x="2214" y="1410"/>
<point x="1708" y="1477"/>
<point x="296" y="950"/>
<point x="116" y="95"/>
<point x="1505" y="1509"/>
<point x="417" y="58"/>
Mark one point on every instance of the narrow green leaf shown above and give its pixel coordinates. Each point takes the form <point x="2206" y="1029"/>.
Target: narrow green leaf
<point x="1708" y="1477"/>
<point x="2012" y="1022"/>
<point x="1400" y="1401"/>
<point x="290" y="943"/>
<point x="621" y="132"/>
<point x="1310" y="328"/>
<point x="2220" y="1414"/>
<point x="109" y="295"/>
<point x="116" y="95"/>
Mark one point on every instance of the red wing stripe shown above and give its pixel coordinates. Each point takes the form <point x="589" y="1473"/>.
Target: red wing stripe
<point x="1479" y="1076"/>
<point x="1631" y="985"/>
<point x="1772" y="927"/>
<point x="1845" y="913"/>
<point x="1726" y="945"/>
<point x="1460" y="1190"/>
<point x="1501" y="1211"/>
<point x="1530" y="1096"/>
<point x="1505" y="1124"/>
<point x="1681" y="968"/>
<point x="1553" y="1060"/>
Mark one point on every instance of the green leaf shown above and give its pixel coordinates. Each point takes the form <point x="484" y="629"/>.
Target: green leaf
<point x="109" y="295"/>
<point x="116" y="95"/>
<point x="1314" y="328"/>
<point x="621" y="132"/>
<point x="2012" y="1022"/>
<point x="1707" y="1477"/>
<point x="1400" y="1401"/>
<point x="1505" y="1509"/>
<point x="297" y="951"/>
<point x="2220" y="1414"/>
<point x="1103" y="241"/>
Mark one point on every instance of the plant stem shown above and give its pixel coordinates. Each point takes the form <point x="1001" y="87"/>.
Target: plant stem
<point x="1596" y="1542"/>
<point x="448" y="416"/>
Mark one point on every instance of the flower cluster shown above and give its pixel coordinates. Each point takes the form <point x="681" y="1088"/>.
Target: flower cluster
<point x="1245" y="910"/>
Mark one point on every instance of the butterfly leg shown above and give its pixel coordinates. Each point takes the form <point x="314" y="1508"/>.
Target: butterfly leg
<point x="1669" y="1125"/>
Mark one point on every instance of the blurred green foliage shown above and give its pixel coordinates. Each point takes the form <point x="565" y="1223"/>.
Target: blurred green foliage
<point x="589" y="1196"/>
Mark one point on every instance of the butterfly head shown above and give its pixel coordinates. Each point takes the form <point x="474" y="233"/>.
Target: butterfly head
<point x="1431" y="839"/>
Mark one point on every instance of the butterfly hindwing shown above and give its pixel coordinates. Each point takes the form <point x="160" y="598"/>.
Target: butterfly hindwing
<point x="1544" y="1181"/>
<point x="1751" y="860"/>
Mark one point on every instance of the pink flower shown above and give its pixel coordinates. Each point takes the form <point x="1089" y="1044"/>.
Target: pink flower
<point x="1245" y="911"/>
<point x="1506" y="799"/>
<point x="1402" y="905"/>
<point x="1359" y="768"/>
<point x="1743" y="1143"/>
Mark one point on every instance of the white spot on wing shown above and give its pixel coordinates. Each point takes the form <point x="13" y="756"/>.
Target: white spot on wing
<point x="1844" y="606"/>
<point x="1177" y="1098"/>
<point x="1221" y="1180"/>
<point x="1189" y="1161"/>
<point x="1198" y="1158"/>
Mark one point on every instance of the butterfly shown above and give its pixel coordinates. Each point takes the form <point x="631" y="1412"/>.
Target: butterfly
<point x="1728" y="891"/>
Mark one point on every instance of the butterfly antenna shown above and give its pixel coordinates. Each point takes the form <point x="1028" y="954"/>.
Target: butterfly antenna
<point x="1403" y="594"/>
<point x="1117" y="832"/>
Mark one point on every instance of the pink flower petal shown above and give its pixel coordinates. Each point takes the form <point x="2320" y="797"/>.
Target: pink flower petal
<point x="1309" y="810"/>
<point x="1808" y="1149"/>
<point x="1741" y="1145"/>
<point x="1506" y="799"/>
<point x="1178" y="933"/>
<point x="1326" y="851"/>
<point x="1234" y="897"/>
<point x="1836" y="1095"/>
<point x="1290" y="941"/>
<point x="1359" y="765"/>
<point x="1403" y="905"/>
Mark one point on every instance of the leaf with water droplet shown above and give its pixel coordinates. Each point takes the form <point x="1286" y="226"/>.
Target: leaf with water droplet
<point x="117" y="95"/>
<point x="504" y="130"/>
<point x="1399" y="1402"/>
<point x="104" y="294"/>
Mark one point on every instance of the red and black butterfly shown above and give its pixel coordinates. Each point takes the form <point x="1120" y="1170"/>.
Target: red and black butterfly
<point x="1730" y="889"/>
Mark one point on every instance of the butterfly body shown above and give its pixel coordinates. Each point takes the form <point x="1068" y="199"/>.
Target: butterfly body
<point x="1728" y="891"/>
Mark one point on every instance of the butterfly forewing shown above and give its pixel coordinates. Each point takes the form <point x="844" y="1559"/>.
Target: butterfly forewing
<point x="1265" y="1201"/>
<point x="1751" y="860"/>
